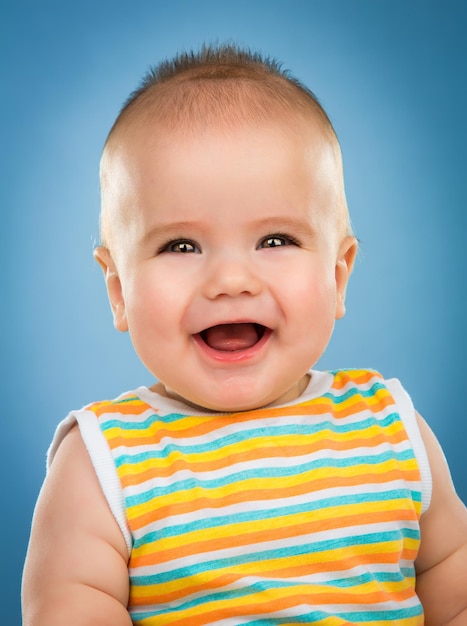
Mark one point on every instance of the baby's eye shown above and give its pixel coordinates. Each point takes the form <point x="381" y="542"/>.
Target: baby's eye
<point x="181" y="246"/>
<point x="277" y="240"/>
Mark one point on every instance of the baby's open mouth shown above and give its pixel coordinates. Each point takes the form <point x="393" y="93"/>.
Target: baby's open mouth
<point x="233" y="337"/>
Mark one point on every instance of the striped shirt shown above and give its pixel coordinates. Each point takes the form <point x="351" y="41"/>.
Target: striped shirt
<point x="298" y="514"/>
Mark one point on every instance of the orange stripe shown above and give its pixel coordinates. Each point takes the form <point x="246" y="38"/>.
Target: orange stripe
<point x="259" y="495"/>
<point x="250" y="537"/>
<point x="358" y="377"/>
<point x="125" y="408"/>
<point x="130" y="475"/>
<point x="208" y="424"/>
<point x="126" y="439"/>
<point x="306" y="569"/>
<point x="157" y="433"/>
<point x="356" y="560"/>
<point x="271" y="606"/>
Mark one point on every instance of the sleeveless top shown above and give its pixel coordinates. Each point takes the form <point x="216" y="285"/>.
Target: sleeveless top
<point x="296" y="514"/>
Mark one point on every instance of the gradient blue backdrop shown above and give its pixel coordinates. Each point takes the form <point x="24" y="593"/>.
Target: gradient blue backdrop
<point x="392" y="76"/>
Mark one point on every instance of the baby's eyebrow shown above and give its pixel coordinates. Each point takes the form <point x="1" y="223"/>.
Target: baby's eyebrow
<point x="287" y="223"/>
<point x="161" y="231"/>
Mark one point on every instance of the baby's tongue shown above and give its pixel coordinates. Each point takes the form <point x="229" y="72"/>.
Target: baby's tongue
<point x="230" y="337"/>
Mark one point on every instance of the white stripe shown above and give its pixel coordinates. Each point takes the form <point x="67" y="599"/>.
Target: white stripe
<point x="248" y="583"/>
<point x="222" y="435"/>
<point x="284" y="545"/>
<point x="233" y="510"/>
<point x="269" y="463"/>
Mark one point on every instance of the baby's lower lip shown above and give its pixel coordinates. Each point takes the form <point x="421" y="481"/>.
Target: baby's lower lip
<point x="232" y="353"/>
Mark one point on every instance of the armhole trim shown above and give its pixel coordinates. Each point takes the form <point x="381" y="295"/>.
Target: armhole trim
<point x="408" y="416"/>
<point x="102" y="461"/>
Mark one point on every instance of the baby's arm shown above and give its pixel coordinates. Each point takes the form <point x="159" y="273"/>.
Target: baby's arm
<point x="76" y="569"/>
<point x="442" y="562"/>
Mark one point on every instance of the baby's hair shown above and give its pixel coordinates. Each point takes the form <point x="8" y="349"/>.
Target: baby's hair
<point x="219" y="83"/>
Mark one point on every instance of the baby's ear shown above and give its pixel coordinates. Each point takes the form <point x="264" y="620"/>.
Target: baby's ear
<point x="114" y="287"/>
<point x="344" y="266"/>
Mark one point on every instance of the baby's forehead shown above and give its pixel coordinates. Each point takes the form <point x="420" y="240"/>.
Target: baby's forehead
<point x="158" y="157"/>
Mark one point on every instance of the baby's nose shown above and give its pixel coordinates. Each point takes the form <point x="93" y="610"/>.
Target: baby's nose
<point x="231" y="275"/>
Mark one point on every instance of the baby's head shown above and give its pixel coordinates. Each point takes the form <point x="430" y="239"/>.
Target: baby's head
<point x="226" y="238"/>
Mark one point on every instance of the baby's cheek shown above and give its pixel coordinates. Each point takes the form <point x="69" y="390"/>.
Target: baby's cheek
<point x="319" y="291"/>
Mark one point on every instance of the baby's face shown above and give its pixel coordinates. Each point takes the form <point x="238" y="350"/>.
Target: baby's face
<point x="230" y="268"/>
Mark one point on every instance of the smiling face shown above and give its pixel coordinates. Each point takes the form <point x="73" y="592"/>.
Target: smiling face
<point x="228" y="261"/>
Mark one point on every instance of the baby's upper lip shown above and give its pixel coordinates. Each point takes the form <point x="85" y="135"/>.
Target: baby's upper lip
<point x="231" y="322"/>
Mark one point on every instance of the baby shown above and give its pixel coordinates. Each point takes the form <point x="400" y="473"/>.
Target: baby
<point x="244" y="487"/>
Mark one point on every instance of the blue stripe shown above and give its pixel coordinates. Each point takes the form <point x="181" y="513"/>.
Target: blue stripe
<point x="270" y="555"/>
<point x="258" y="514"/>
<point x="354" y="391"/>
<point x="383" y="615"/>
<point x="171" y="418"/>
<point x="328" y="421"/>
<point x="237" y="438"/>
<point x="363" y="579"/>
<point x="264" y="474"/>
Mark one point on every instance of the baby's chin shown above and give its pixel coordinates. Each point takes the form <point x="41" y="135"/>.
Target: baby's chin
<point x="290" y="395"/>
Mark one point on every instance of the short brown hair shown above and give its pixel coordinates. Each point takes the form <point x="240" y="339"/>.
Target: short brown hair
<point x="218" y="82"/>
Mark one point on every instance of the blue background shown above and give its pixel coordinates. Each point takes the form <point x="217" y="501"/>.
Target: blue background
<point x="392" y="76"/>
